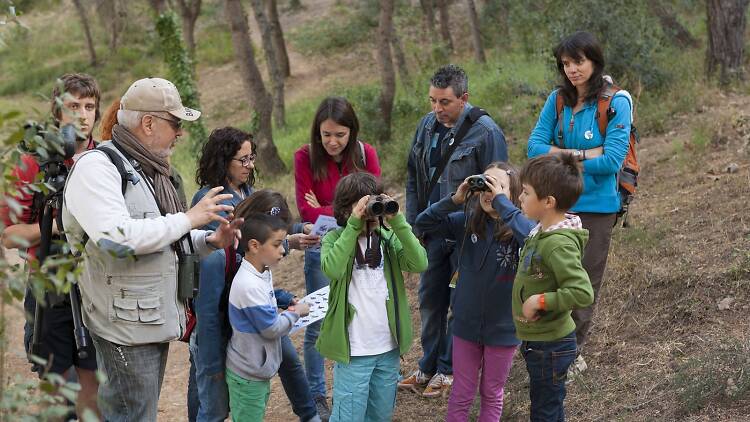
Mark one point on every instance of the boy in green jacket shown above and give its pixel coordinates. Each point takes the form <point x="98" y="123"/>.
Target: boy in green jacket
<point x="368" y="324"/>
<point x="550" y="281"/>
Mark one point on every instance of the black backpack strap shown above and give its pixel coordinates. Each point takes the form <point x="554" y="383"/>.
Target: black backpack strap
<point x="116" y="159"/>
<point x="474" y="114"/>
<point x="125" y="176"/>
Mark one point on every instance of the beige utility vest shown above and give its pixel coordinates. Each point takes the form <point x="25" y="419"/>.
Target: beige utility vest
<point x="132" y="300"/>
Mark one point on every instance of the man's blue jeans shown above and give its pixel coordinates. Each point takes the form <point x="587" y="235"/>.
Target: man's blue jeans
<point x="314" y="365"/>
<point x="134" y="377"/>
<point x="208" y="396"/>
<point x="434" y="301"/>
<point x="547" y="363"/>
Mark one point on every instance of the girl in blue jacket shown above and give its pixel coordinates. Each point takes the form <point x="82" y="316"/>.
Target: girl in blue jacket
<point x="580" y="63"/>
<point x="489" y="233"/>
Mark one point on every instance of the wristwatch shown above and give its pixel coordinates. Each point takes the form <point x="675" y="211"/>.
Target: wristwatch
<point x="578" y="154"/>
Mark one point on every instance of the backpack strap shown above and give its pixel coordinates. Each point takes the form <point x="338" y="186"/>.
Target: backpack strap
<point x="604" y="109"/>
<point x="559" y="112"/>
<point x="474" y="114"/>
<point x="125" y="175"/>
<point x="362" y="151"/>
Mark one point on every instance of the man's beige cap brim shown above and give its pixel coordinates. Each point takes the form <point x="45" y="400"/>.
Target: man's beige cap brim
<point x="186" y="113"/>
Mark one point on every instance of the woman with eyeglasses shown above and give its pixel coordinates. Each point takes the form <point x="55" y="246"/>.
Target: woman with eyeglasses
<point x="227" y="159"/>
<point x="333" y="152"/>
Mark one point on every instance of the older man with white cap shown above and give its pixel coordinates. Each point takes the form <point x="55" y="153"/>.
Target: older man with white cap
<point x="141" y="246"/>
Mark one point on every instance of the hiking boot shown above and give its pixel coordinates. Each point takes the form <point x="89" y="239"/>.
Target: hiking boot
<point x="576" y="369"/>
<point x="416" y="379"/>
<point x="439" y="385"/>
<point x="323" y="410"/>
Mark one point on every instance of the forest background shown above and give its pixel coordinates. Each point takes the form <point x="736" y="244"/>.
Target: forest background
<point x="673" y="342"/>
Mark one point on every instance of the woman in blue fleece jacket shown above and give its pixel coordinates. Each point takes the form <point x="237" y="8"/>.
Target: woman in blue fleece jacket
<point x="580" y="63"/>
<point x="488" y="238"/>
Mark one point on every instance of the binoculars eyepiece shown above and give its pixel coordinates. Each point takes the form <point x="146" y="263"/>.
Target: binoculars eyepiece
<point x="378" y="206"/>
<point x="478" y="183"/>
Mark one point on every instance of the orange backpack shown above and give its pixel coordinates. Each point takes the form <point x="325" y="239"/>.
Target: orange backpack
<point x="627" y="178"/>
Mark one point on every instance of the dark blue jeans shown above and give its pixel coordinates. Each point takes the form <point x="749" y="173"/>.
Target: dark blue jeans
<point x="208" y="398"/>
<point x="434" y="301"/>
<point x="314" y="364"/>
<point x="547" y="363"/>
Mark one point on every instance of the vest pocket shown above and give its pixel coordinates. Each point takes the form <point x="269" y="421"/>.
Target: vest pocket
<point x="135" y="307"/>
<point x="149" y="310"/>
<point x="126" y="309"/>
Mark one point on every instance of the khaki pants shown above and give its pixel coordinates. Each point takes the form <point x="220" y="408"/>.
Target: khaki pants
<point x="594" y="262"/>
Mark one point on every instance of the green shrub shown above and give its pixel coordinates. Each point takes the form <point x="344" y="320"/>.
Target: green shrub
<point x="352" y="25"/>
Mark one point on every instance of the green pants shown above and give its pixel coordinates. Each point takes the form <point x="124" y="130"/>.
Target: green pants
<point x="247" y="398"/>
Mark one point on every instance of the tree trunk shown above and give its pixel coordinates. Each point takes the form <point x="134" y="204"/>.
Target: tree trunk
<point x="278" y="38"/>
<point x="726" y="38"/>
<point x="259" y="99"/>
<point x="385" y="62"/>
<point x="445" y="31"/>
<point x="398" y="52"/>
<point x="476" y="35"/>
<point x="671" y="26"/>
<point x="113" y="15"/>
<point x="428" y="13"/>
<point x="159" y="6"/>
<point x="189" y="12"/>
<point x="87" y="31"/>
<point x="272" y="62"/>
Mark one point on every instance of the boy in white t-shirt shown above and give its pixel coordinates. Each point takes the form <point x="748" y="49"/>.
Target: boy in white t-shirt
<point x="368" y="324"/>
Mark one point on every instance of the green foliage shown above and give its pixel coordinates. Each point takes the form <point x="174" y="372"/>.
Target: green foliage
<point x="352" y="25"/>
<point x="215" y="46"/>
<point x="719" y="374"/>
<point x="181" y="72"/>
<point x="631" y="36"/>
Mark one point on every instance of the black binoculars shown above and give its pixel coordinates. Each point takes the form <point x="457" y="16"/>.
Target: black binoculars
<point x="477" y="183"/>
<point x="379" y="205"/>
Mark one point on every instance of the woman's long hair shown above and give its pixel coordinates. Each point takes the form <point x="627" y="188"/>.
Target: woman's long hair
<point x="477" y="219"/>
<point x="577" y="46"/>
<point x="217" y="154"/>
<point x="109" y="120"/>
<point x="340" y="111"/>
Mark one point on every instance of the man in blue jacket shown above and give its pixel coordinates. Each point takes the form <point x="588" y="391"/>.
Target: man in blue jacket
<point x="483" y="144"/>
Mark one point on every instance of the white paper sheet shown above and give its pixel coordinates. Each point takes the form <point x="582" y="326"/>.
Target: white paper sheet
<point x="318" y="301"/>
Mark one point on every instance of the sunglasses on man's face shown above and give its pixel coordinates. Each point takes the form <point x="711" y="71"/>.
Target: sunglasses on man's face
<point x="176" y="124"/>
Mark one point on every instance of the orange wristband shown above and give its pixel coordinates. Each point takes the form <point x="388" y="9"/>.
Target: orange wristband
<point x="542" y="305"/>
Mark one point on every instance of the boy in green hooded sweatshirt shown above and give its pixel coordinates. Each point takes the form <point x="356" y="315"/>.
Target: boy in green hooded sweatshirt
<point x="368" y="324"/>
<point x="550" y="281"/>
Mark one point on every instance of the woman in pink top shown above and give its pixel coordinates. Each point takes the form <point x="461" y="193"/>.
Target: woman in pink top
<point x="334" y="151"/>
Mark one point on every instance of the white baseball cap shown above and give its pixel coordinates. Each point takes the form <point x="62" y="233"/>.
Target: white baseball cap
<point x="156" y="94"/>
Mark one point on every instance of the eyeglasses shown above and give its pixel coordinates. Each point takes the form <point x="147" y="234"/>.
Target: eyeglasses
<point x="246" y="160"/>
<point x="176" y="124"/>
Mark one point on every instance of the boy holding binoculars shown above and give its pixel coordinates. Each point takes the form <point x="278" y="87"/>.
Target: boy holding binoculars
<point x="368" y="324"/>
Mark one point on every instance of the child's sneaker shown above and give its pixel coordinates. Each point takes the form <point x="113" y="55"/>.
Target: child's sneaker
<point x="439" y="385"/>
<point x="416" y="379"/>
<point x="576" y="369"/>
